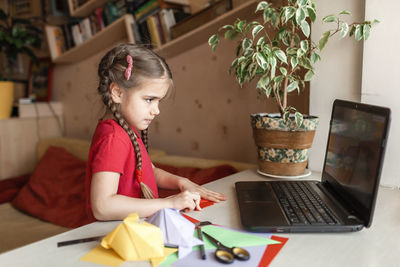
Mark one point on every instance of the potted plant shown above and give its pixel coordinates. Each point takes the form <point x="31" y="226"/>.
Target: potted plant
<point x="279" y="53"/>
<point x="17" y="36"/>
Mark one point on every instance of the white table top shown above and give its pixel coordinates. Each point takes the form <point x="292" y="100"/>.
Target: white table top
<point x="375" y="246"/>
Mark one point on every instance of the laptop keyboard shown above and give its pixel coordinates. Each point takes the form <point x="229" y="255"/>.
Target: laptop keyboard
<point x="302" y="205"/>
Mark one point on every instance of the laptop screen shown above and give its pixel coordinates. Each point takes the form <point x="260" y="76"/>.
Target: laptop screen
<point x="354" y="153"/>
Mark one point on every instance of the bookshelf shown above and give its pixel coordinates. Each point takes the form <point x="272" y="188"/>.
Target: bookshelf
<point x="86" y="8"/>
<point x="122" y="29"/>
<point x="201" y="34"/>
<point x="119" y="29"/>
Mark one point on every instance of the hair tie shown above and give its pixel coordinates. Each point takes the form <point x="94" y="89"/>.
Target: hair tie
<point x="139" y="175"/>
<point x="128" y="70"/>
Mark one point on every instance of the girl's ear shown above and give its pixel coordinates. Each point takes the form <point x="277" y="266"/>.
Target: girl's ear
<point x="116" y="93"/>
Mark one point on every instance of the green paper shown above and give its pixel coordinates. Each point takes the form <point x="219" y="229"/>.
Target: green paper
<point x="229" y="238"/>
<point x="171" y="258"/>
<point x="232" y="238"/>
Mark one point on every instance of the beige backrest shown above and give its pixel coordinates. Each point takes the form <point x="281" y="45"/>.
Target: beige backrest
<point x="77" y="147"/>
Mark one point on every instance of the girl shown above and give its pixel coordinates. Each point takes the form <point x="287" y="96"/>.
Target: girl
<point x="120" y="177"/>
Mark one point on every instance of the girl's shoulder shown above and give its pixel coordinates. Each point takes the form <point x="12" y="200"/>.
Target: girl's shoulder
<point x="110" y="129"/>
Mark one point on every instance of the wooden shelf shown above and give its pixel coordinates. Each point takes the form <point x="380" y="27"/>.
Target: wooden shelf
<point x="86" y="9"/>
<point x="201" y="34"/>
<point x="119" y="29"/>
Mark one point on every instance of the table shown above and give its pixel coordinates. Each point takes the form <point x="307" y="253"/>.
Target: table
<point x="375" y="246"/>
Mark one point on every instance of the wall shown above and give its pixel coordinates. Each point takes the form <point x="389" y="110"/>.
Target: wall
<point x="379" y="83"/>
<point x="338" y="74"/>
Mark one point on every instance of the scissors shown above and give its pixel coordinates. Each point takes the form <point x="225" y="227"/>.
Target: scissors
<point x="226" y="254"/>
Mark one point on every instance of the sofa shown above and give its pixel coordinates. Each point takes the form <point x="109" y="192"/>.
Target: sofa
<point x="30" y="211"/>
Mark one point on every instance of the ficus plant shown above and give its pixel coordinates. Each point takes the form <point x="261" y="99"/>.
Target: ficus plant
<point x="279" y="52"/>
<point x="17" y="36"/>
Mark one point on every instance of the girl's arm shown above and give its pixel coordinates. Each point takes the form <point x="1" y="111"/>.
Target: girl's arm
<point x="168" y="180"/>
<point x="108" y="205"/>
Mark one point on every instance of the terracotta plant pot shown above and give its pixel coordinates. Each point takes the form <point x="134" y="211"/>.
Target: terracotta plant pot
<point x="6" y="99"/>
<point x="282" y="149"/>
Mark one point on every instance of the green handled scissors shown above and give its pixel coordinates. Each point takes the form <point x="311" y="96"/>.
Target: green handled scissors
<point x="226" y="254"/>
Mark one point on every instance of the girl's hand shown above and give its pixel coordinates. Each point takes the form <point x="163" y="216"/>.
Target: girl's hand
<point x="186" y="201"/>
<point x="186" y="184"/>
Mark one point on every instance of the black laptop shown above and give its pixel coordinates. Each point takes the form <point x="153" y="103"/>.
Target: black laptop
<point x="345" y="198"/>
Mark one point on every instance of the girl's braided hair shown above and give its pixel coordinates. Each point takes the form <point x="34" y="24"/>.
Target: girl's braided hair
<point x="112" y="67"/>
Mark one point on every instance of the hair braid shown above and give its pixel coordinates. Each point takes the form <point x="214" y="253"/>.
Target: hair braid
<point x="145" y="138"/>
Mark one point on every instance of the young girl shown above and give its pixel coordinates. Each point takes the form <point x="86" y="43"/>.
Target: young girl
<point x="120" y="176"/>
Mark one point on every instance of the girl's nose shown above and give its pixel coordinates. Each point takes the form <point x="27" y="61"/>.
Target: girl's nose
<point x="155" y="110"/>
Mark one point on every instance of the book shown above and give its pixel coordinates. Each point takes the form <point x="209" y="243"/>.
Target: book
<point x="167" y="20"/>
<point x="76" y="34"/>
<point x="99" y="17"/>
<point x="86" y="30"/>
<point x="154" y="34"/>
<point x="55" y="40"/>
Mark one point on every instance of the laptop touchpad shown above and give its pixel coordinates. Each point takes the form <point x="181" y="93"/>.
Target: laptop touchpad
<point x="262" y="193"/>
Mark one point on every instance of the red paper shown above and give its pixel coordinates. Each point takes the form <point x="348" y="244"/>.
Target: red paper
<point x="272" y="250"/>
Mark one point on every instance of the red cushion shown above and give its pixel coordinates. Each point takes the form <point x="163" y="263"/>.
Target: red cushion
<point x="9" y="188"/>
<point x="55" y="191"/>
<point x="196" y="175"/>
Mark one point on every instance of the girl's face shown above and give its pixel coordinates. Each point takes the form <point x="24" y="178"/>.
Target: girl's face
<point x="140" y="105"/>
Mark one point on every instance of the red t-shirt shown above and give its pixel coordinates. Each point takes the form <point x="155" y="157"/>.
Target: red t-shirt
<point x="112" y="150"/>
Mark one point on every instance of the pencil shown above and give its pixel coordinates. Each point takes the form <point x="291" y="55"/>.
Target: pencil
<point x="202" y="250"/>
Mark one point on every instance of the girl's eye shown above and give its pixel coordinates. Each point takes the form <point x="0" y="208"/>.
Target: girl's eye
<point x="148" y="100"/>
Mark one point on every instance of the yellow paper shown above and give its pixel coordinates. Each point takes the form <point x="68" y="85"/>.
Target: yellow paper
<point x="133" y="240"/>
<point x="103" y="256"/>
<point x="167" y="252"/>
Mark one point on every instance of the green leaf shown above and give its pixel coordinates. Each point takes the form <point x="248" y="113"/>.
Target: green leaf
<point x="263" y="82"/>
<point x="359" y="32"/>
<point x="311" y="13"/>
<point x="305" y="28"/>
<point x="262" y="5"/>
<point x="226" y="27"/>
<point x="213" y="39"/>
<point x="248" y="52"/>
<point x="214" y="46"/>
<point x="293" y="86"/>
<point x="246" y="43"/>
<point x="281" y="55"/>
<point x="289" y="13"/>
<point x="283" y="71"/>
<point x="300" y="15"/>
<point x="301" y="2"/>
<point x="308" y="75"/>
<point x="344" y="30"/>
<point x="256" y="30"/>
<point x="261" y="61"/>
<point x="315" y="57"/>
<point x="261" y="41"/>
<point x="304" y="45"/>
<point x="324" y="39"/>
<point x="293" y="62"/>
<point x="345" y="12"/>
<point x="366" y="31"/>
<point x="329" y="18"/>
<point x="239" y="25"/>
<point x="228" y="34"/>
<point x="376" y="21"/>
<point x="298" y="118"/>
<point x="286" y="116"/>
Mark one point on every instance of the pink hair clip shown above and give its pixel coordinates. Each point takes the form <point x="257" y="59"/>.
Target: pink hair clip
<point x="128" y="70"/>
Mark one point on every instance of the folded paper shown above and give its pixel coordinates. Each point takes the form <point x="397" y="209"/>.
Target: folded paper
<point x="135" y="240"/>
<point x="176" y="230"/>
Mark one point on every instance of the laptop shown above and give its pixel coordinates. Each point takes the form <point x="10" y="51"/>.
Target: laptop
<point x="344" y="199"/>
